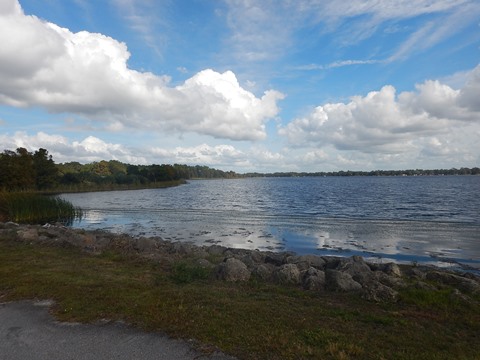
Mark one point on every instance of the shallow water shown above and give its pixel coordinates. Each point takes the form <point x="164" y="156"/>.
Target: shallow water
<point x="406" y="219"/>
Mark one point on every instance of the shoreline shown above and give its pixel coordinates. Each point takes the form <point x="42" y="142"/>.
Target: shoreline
<point x="248" y="304"/>
<point x="374" y="281"/>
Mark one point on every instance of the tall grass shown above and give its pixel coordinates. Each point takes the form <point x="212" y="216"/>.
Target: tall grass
<point x="35" y="208"/>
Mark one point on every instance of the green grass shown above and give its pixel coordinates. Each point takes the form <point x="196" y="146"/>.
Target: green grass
<point x="36" y="208"/>
<point x="251" y="321"/>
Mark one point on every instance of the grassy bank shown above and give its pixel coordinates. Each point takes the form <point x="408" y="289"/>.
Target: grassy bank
<point x="36" y="208"/>
<point x="92" y="187"/>
<point x="252" y="320"/>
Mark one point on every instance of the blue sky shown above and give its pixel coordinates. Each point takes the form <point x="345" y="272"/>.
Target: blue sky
<point x="244" y="85"/>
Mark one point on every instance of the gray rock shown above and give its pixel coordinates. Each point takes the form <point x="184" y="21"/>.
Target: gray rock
<point x="275" y="259"/>
<point x="313" y="279"/>
<point x="304" y="262"/>
<point x="355" y="265"/>
<point x="340" y="281"/>
<point x="257" y="256"/>
<point x="378" y="292"/>
<point x="417" y="273"/>
<point x="392" y="269"/>
<point x="216" y="250"/>
<point x="232" y="270"/>
<point x="263" y="272"/>
<point x="389" y="280"/>
<point x="28" y="234"/>
<point x="144" y="244"/>
<point x="287" y="274"/>
<point x="462" y="283"/>
<point x="204" y="263"/>
<point x="10" y="225"/>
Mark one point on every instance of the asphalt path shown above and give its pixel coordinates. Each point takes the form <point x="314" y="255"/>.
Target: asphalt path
<point x="28" y="331"/>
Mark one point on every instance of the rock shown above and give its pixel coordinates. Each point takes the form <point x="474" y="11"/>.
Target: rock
<point x="204" y="263"/>
<point x="247" y="260"/>
<point x="462" y="283"/>
<point x="263" y="272"/>
<point x="356" y="267"/>
<point x="313" y="279"/>
<point x="340" y="281"/>
<point x="417" y="273"/>
<point x="392" y="269"/>
<point x="10" y="225"/>
<point x="144" y="244"/>
<point x="275" y="259"/>
<point x="216" y="250"/>
<point x="232" y="270"/>
<point x="378" y="292"/>
<point x="257" y="256"/>
<point x="182" y="248"/>
<point x="331" y="262"/>
<point x="388" y="280"/>
<point x="304" y="262"/>
<point x="287" y="274"/>
<point x="28" y="234"/>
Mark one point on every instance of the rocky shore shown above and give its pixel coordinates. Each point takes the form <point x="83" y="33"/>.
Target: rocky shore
<point x="379" y="282"/>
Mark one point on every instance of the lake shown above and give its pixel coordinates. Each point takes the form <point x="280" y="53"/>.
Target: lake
<point x="423" y="219"/>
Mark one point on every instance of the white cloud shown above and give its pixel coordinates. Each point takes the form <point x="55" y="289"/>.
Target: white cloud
<point x="382" y="122"/>
<point x="44" y="65"/>
<point x="225" y="156"/>
<point x="63" y="150"/>
<point x="265" y="30"/>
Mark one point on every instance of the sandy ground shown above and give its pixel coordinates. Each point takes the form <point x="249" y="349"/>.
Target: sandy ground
<point x="28" y="331"/>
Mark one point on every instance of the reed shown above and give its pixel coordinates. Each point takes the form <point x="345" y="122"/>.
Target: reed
<point x="23" y="207"/>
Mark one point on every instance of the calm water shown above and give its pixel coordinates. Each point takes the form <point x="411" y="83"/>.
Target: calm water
<point x="422" y="219"/>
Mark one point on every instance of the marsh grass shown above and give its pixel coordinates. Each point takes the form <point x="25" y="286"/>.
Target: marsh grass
<point x="253" y="320"/>
<point x="23" y="207"/>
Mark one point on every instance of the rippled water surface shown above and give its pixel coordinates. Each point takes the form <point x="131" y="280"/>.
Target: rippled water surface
<point x="432" y="219"/>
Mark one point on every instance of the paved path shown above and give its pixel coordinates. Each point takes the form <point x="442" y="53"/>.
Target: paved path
<point x="28" y="331"/>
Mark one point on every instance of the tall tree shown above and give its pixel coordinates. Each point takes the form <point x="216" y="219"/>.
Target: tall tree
<point x="46" y="173"/>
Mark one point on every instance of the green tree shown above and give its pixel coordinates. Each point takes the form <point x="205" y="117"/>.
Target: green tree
<point x="46" y="173"/>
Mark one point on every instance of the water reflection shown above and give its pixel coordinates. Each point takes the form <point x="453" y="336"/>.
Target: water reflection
<point x="302" y="215"/>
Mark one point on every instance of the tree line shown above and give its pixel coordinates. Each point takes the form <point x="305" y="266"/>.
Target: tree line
<point x="22" y="170"/>
<point x="409" y="172"/>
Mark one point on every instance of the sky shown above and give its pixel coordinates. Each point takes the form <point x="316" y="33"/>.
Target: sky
<point x="244" y="85"/>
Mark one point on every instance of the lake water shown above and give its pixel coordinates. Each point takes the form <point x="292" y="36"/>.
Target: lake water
<point x="434" y="219"/>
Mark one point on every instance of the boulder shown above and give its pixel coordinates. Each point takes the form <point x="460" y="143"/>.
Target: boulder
<point x="144" y="244"/>
<point x="204" y="263"/>
<point x="232" y="270"/>
<point x="304" y="262"/>
<point x="340" y="281"/>
<point x="287" y="274"/>
<point x="392" y="269"/>
<point x="216" y="250"/>
<point x="378" y="292"/>
<point x="355" y="265"/>
<point x="462" y="283"/>
<point x="263" y="272"/>
<point x="28" y="234"/>
<point x="388" y="280"/>
<point x="275" y="259"/>
<point x="313" y="279"/>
